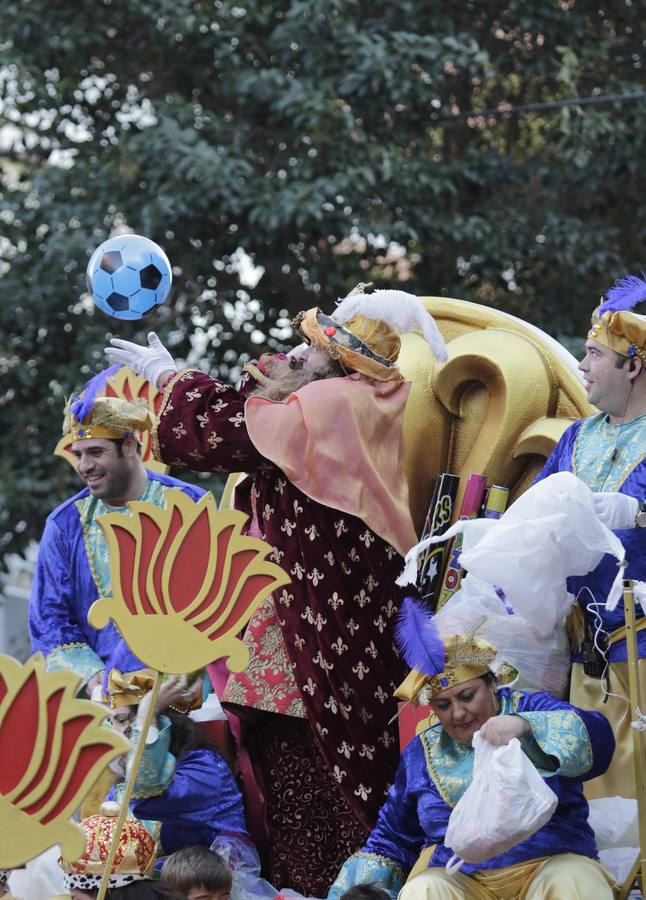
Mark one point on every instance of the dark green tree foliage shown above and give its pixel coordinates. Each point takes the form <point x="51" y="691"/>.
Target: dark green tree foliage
<point x="327" y="141"/>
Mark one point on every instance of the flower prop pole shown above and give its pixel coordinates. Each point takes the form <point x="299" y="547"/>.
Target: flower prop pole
<point x="185" y="581"/>
<point x="130" y="785"/>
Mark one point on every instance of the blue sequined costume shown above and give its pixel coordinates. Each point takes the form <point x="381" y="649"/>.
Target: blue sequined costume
<point x="435" y="771"/>
<point x="607" y="458"/>
<point x="72" y="572"/>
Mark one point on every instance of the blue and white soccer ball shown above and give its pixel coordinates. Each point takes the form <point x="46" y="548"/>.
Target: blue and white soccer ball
<point x="129" y="275"/>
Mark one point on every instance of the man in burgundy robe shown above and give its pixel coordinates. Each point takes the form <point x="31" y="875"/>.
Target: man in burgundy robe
<point x="325" y="486"/>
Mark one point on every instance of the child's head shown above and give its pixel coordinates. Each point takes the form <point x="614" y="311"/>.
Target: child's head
<point x="199" y="873"/>
<point x="365" y="892"/>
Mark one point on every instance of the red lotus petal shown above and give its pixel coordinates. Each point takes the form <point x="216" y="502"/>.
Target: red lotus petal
<point x="126" y="561"/>
<point x="150" y="533"/>
<point x="239" y="562"/>
<point x="18" y="732"/>
<point x="223" y="540"/>
<point x="3" y="688"/>
<point x="53" y="705"/>
<point x="174" y="526"/>
<point x="87" y="758"/>
<point x="71" y="732"/>
<point x="186" y="581"/>
<point x="252" y="587"/>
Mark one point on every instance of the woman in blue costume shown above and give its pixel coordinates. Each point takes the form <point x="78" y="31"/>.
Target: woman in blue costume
<point x="184" y="792"/>
<point x="567" y="745"/>
<point x="608" y="452"/>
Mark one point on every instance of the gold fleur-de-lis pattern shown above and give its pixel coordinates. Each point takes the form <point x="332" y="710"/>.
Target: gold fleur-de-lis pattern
<point x="321" y="648"/>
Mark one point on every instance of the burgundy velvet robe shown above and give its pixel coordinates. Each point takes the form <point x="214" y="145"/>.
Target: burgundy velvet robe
<point x="336" y="617"/>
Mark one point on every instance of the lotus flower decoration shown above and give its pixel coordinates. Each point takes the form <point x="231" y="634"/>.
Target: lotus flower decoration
<point x="128" y="386"/>
<point x="185" y="580"/>
<point x="53" y="747"/>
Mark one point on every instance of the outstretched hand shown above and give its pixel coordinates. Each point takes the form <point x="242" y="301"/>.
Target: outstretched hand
<point x="501" y="729"/>
<point x="151" y="362"/>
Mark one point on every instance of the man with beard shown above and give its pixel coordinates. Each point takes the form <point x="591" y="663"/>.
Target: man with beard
<point x="72" y="569"/>
<point x="319" y="434"/>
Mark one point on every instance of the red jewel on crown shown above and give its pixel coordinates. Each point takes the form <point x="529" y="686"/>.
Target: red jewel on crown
<point x="330" y="331"/>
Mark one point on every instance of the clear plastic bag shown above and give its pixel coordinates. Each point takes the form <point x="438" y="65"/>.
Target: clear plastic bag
<point x="506" y="802"/>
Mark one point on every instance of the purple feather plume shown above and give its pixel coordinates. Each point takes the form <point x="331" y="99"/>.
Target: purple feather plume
<point x="81" y="405"/>
<point x="626" y="293"/>
<point x="418" y="638"/>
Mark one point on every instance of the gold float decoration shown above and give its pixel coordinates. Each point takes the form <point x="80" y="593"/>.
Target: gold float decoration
<point x="185" y="581"/>
<point x="126" y="385"/>
<point x="53" y="748"/>
<point x="497" y="407"/>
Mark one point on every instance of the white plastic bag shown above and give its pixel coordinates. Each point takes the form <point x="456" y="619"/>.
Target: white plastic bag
<point x="506" y="802"/>
<point x="548" y="534"/>
<point x="543" y="661"/>
<point x="614" y="822"/>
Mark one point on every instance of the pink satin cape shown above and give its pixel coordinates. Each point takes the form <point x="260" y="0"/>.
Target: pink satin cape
<point x="341" y="442"/>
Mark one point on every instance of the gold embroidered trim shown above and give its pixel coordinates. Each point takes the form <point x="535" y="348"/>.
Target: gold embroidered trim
<point x="168" y="389"/>
<point x="85" y="521"/>
<point x="65" y="646"/>
<point x="362" y="854"/>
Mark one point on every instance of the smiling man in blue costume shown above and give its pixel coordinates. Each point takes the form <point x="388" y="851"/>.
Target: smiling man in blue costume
<point x="608" y="452"/>
<point x="73" y="568"/>
<point x="567" y="745"/>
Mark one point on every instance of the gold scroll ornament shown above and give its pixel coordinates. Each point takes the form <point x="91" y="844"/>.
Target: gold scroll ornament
<point x="497" y="407"/>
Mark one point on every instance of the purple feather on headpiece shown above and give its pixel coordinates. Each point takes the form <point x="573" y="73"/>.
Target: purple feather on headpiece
<point x="419" y="639"/>
<point x="626" y="293"/>
<point x="81" y="405"/>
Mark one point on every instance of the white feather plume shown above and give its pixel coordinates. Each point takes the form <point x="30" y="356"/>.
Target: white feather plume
<point x="402" y="311"/>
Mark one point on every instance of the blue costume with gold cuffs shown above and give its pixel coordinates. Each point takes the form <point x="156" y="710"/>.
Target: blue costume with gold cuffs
<point x="186" y="801"/>
<point x="568" y="746"/>
<point x="72" y="571"/>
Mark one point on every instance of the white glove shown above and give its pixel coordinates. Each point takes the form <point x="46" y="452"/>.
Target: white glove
<point x="616" y="511"/>
<point x="148" y="361"/>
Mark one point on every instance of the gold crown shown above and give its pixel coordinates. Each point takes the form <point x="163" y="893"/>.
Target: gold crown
<point x="369" y="346"/>
<point x="110" y="417"/>
<point x="134" y="860"/>
<point x="621" y="331"/>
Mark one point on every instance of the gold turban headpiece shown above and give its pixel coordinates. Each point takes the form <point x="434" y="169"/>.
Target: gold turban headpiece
<point x="615" y="326"/>
<point x="440" y="662"/>
<point x="90" y="415"/>
<point x="109" y="417"/>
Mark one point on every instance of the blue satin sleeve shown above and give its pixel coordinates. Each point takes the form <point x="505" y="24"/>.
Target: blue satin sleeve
<point x="54" y="625"/>
<point x="202" y="792"/>
<point x="560" y="459"/>
<point x="157" y="764"/>
<point x="581" y="740"/>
